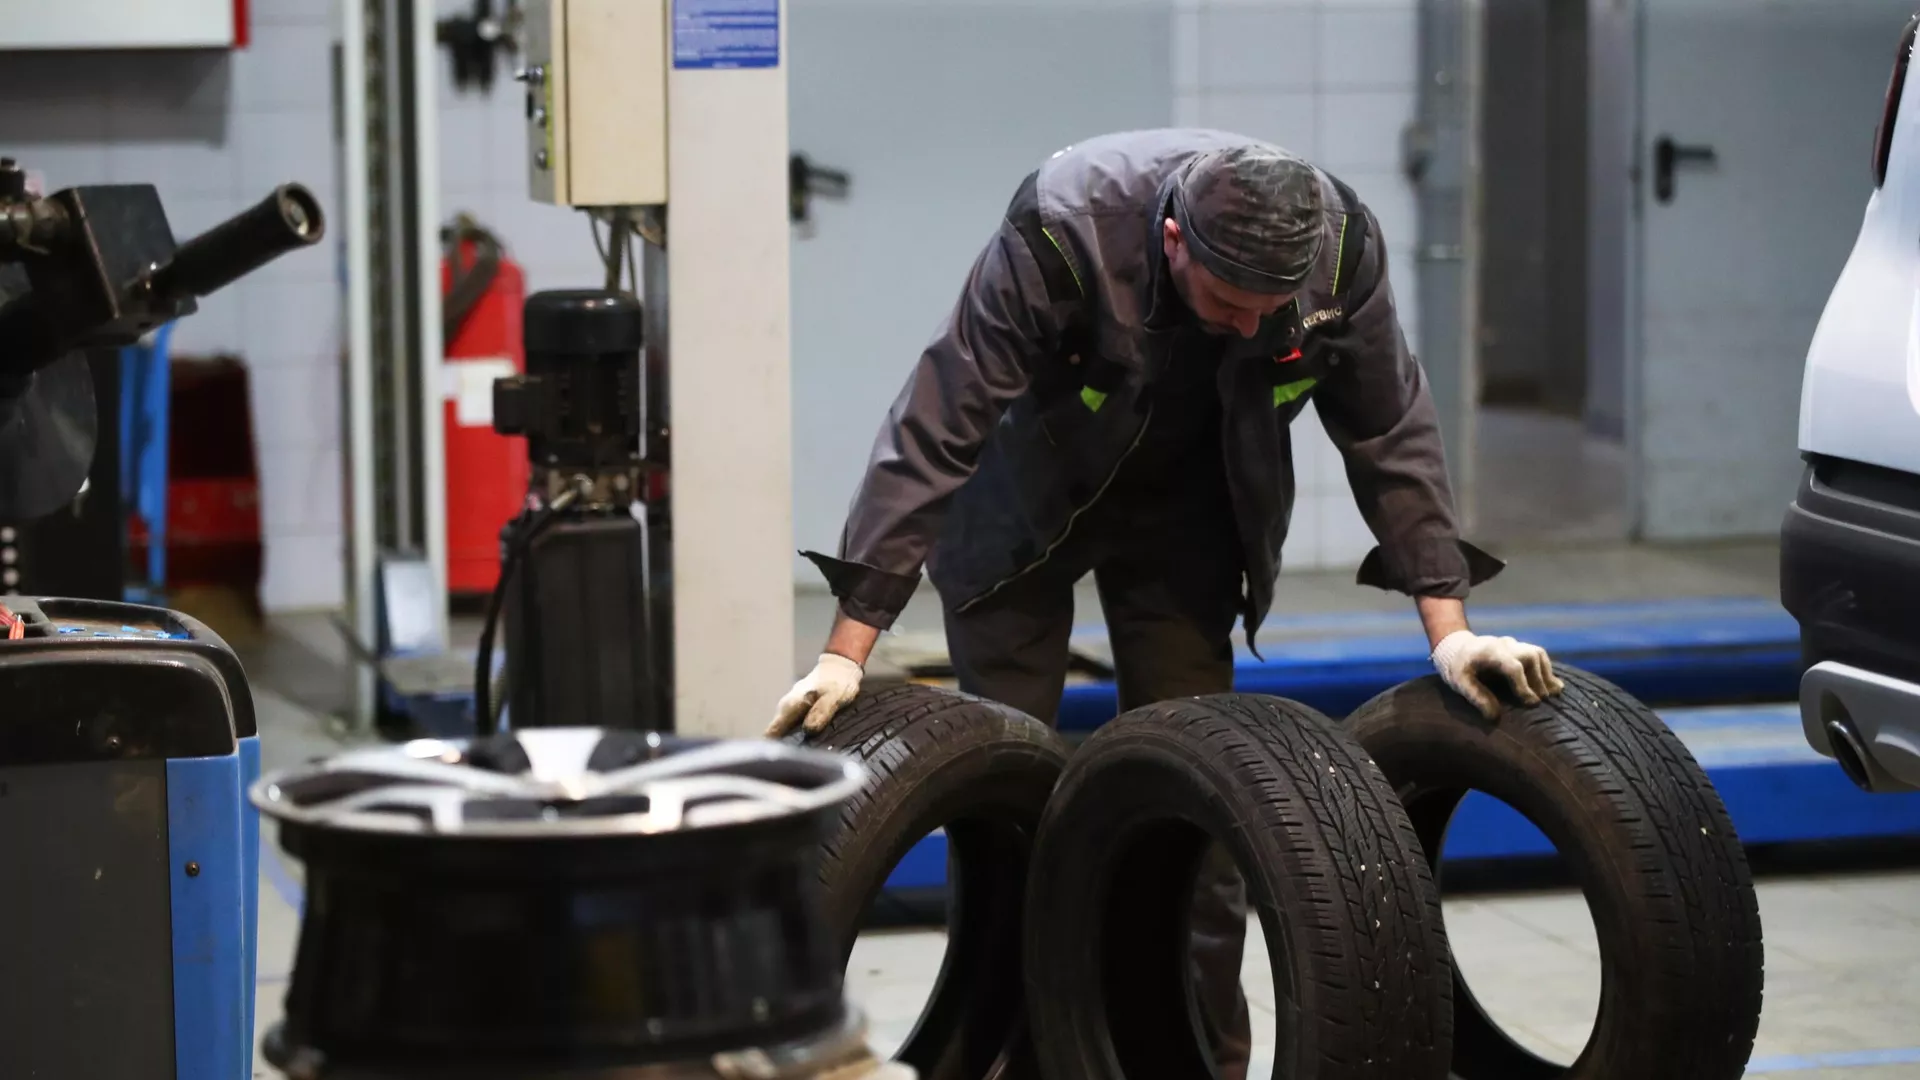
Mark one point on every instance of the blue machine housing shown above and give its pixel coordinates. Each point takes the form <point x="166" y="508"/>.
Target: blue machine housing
<point x="128" y="924"/>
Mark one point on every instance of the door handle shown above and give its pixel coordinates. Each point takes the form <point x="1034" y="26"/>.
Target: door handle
<point x="1666" y="155"/>
<point x="806" y="180"/>
<point x="1416" y="150"/>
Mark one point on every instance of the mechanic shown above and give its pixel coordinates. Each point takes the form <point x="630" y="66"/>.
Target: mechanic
<point x="1111" y="395"/>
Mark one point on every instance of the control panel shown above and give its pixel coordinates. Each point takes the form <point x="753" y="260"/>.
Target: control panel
<point x="596" y="101"/>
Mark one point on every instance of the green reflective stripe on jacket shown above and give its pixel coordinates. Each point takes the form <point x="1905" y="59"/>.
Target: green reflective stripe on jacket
<point x="1051" y="239"/>
<point x="1286" y="392"/>
<point x="1092" y="397"/>
<point x="1340" y="253"/>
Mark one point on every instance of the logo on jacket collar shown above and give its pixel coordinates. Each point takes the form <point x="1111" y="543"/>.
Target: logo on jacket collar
<point x="1324" y="315"/>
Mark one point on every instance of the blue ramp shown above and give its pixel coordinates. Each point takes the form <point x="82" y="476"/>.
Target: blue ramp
<point x="1666" y="653"/>
<point x="1777" y="790"/>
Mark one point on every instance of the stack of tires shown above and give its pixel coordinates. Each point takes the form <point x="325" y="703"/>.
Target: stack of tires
<point x="1072" y="880"/>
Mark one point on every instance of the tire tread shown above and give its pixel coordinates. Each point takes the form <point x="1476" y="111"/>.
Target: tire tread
<point x="1367" y="936"/>
<point x="1674" y="854"/>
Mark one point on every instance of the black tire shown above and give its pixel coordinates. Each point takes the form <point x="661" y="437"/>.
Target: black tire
<point x="1645" y="835"/>
<point x="982" y="771"/>
<point x="1351" y="917"/>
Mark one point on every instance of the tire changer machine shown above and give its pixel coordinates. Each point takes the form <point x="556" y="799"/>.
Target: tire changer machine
<point x="127" y="921"/>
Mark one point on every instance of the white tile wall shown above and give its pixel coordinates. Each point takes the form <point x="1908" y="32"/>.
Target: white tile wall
<point x="214" y="132"/>
<point x="1345" y="538"/>
<point x="483" y="171"/>
<point x="1387" y="193"/>
<point x="1367" y="46"/>
<point x="1186" y="51"/>
<point x="286" y="67"/>
<point x="296" y="404"/>
<point x="298" y="564"/>
<point x="1260" y="47"/>
<point x="1290" y="118"/>
<point x="1332" y="80"/>
<point x="280" y="118"/>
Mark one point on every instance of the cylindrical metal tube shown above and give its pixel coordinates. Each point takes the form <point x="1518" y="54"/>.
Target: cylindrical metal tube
<point x="288" y="219"/>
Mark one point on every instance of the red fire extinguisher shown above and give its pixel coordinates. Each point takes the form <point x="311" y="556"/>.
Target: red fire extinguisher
<point x="487" y="473"/>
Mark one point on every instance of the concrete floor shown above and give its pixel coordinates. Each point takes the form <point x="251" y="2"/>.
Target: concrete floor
<point x="1843" y="961"/>
<point x="1843" y="971"/>
<point x="1843" y="974"/>
<point x="1843" y="950"/>
<point x="1542" y="479"/>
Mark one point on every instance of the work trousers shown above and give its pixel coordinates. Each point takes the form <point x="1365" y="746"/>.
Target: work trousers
<point x="1169" y="575"/>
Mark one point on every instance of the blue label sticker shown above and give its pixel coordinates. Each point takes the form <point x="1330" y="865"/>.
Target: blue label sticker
<point x="726" y="33"/>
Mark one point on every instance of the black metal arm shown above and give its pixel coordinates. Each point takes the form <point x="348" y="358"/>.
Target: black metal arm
<point x="101" y="268"/>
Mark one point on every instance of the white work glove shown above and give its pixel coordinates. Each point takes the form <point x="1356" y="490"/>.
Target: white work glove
<point x="1463" y="655"/>
<point x="827" y="688"/>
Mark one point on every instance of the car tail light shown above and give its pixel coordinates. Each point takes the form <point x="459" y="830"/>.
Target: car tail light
<point x="1883" y="135"/>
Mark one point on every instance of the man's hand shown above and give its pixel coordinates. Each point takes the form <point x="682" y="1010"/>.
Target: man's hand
<point x="1463" y="657"/>
<point x="833" y="682"/>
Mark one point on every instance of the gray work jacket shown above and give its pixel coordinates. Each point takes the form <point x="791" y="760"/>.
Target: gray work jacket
<point x="1030" y="397"/>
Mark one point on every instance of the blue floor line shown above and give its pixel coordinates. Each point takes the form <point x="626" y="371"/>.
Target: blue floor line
<point x="1846" y="1059"/>
<point x="1675" y="652"/>
<point x="1517" y="614"/>
<point x="1665" y="633"/>
<point x="1678" y="676"/>
<point x="282" y="883"/>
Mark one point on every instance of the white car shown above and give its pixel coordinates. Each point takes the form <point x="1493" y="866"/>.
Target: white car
<point x="1850" y="545"/>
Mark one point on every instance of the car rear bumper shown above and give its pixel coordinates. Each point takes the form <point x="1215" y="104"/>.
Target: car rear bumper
<point x="1864" y="721"/>
<point x="1850" y="574"/>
